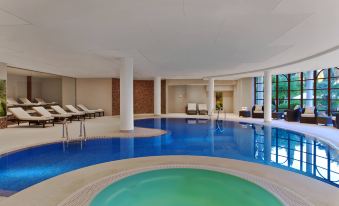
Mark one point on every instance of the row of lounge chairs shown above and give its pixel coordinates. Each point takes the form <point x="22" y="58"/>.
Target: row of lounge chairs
<point x="50" y="115"/>
<point x="304" y="115"/>
<point x="24" y="102"/>
<point x="194" y="109"/>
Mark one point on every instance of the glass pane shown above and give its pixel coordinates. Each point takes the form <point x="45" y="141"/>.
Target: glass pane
<point x="283" y="104"/>
<point x="260" y="95"/>
<point x="274" y="79"/>
<point x="283" y="86"/>
<point x="334" y="93"/>
<point x="283" y="94"/>
<point x="308" y="84"/>
<point x="295" y="94"/>
<point x="295" y="102"/>
<point x="308" y="103"/>
<point x="322" y="74"/>
<point x="259" y="102"/>
<point x="282" y="77"/>
<point x="260" y="79"/>
<point x="335" y="82"/>
<point x="295" y="85"/>
<point x="322" y="94"/>
<point x="308" y="94"/>
<point x="308" y="75"/>
<point x="322" y="83"/>
<point x="334" y="72"/>
<point x="335" y="105"/>
<point x="260" y="87"/>
<point x="295" y="76"/>
<point x="322" y="105"/>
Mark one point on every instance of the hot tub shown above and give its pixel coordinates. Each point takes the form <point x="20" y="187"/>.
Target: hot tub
<point x="183" y="187"/>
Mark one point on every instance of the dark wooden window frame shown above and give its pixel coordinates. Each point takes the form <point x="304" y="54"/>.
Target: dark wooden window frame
<point x="302" y="80"/>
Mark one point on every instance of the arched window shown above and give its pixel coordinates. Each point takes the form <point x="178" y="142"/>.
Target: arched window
<point x="321" y="92"/>
<point x="295" y="90"/>
<point x="334" y="89"/>
<point x="283" y="92"/>
<point x="318" y="88"/>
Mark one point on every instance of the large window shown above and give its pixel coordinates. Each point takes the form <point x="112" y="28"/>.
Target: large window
<point x="259" y="90"/>
<point x="318" y="88"/>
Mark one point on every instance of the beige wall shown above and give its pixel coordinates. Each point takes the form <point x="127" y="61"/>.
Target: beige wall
<point x="228" y="101"/>
<point x="176" y="99"/>
<point x="243" y="94"/>
<point x="68" y="91"/>
<point x="180" y="95"/>
<point x="95" y="93"/>
<point x="16" y="86"/>
<point x="36" y="87"/>
<point x="51" y="90"/>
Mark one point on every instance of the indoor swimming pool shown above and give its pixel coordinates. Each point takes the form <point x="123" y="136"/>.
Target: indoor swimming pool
<point x="280" y="148"/>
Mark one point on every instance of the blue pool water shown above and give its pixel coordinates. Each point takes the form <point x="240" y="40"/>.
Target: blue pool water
<point x="255" y="143"/>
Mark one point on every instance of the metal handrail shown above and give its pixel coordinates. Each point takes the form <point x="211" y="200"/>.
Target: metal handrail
<point x="82" y="134"/>
<point x="65" y="130"/>
<point x="83" y="130"/>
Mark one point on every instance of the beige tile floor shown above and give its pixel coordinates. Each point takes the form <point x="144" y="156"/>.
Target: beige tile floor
<point x="17" y="137"/>
<point x="52" y="191"/>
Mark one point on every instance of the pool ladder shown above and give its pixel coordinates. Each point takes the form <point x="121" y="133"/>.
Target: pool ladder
<point x="82" y="134"/>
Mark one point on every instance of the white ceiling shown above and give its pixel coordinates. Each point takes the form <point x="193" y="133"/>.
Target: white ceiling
<point x="168" y="38"/>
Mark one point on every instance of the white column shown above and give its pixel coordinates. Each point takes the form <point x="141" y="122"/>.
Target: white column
<point x="211" y="104"/>
<point x="157" y="96"/>
<point x="126" y="95"/>
<point x="267" y="96"/>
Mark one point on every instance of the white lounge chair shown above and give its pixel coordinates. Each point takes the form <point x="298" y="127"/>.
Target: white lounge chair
<point x="22" y="116"/>
<point x="202" y="108"/>
<point x="191" y="108"/>
<point x="26" y="102"/>
<point x="85" y="109"/>
<point x="75" y="110"/>
<point x="12" y="102"/>
<point x="44" y="112"/>
<point x="43" y="102"/>
<point x="60" y="110"/>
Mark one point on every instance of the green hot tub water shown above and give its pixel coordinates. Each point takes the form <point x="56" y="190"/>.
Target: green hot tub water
<point x="184" y="187"/>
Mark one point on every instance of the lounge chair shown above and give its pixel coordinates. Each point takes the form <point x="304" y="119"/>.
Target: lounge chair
<point x="293" y="115"/>
<point x="43" y="102"/>
<point x="11" y="102"/>
<point x="44" y="112"/>
<point x="202" y="108"/>
<point x="191" y="108"/>
<point x="60" y="110"/>
<point x="26" y="102"/>
<point x="100" y="112"/>
<point x="75" y="110"/>
<point x="258" y="111"/>
<point x="309" y="115"/>
<point x="22" y="116"/>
